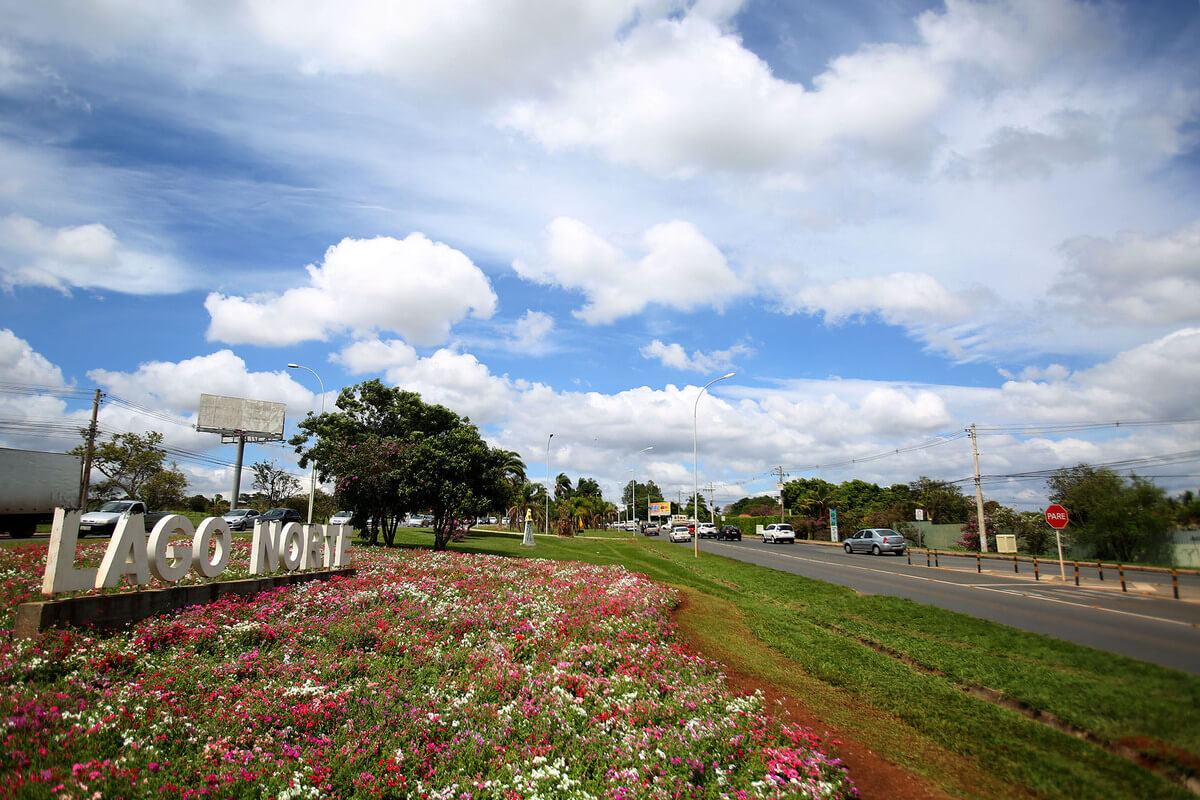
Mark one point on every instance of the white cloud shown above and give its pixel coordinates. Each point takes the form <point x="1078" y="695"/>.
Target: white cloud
<point x="20" y="363"/>
<point x="531" y="331"/>
<point x="673" y="355"/>
<point x="1133" y="279"/>
<point x="680" y="269"/>
<point x="84" y="257"/>
<point x="178" y="385"/>
<point x="373" y="355"/>
<point x="902" y="298"/>
<point x="414" y="287"/>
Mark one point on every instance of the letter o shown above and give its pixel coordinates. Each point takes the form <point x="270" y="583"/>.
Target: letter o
<point x="213" y="526"/>
<point x="291" y="545"/>
<point x="170" y="567"/>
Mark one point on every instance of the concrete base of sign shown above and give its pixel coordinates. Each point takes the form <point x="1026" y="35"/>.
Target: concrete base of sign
<point x="527" y="539"/>
<point x="111" y="612"/>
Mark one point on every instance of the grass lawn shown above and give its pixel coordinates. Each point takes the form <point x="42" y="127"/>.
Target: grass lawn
<point x="825" y="641"/>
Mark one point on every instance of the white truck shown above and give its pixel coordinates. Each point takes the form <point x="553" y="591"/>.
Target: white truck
<point x="32" y="485"/>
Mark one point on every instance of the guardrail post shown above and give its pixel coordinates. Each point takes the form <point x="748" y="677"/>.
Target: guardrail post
<point x="1016" y="568"/>
<point x="1121" y="572"/>
<point x="1076" y="563"/>
<point x="1100" y="569"/>
<point x="978" y="564"/>
<point x="1175" y="582"/>
<point x="1036" y="577"/>
<point x="927" y="558"/>
<point x="909" y="554"/>
<point x="935" y="561"/>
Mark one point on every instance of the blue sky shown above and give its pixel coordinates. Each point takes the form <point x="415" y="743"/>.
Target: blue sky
<point x="891" y="220"/>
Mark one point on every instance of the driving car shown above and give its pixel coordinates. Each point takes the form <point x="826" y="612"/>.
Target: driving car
<point x="707" y="530"/>
<point x="341" y="518"/>
<point x="778" y="532"/>
<point x="240" y="519"/>
<point x="680" y="533"/>
<point x="730" y="533"/>
<point x="651" y="530"/>
<point x="283" y="515"/>
<point x="876" y="541"/>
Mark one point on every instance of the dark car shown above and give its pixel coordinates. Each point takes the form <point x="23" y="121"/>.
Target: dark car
<point x="284" y="515"/>
<point x="876" y="541"/>
<point x="730" y="533"/>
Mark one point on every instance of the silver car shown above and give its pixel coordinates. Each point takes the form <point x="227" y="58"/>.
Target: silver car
<point x="241" y="519"/>
<point x="876" y="541"/>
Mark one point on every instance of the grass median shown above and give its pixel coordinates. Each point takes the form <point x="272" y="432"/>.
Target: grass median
<point x="899" y="673"/>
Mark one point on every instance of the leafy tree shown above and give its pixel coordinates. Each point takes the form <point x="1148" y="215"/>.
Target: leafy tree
<point x="164" y="490"/>
<point x="198" y="503"/>
<point x="275" y="483"/>
<point x="1113" y="517"/>
<point x="389" y="453"/>
<point x="126" y="461"/>
<point x="751" y="505"/>
<point x="943" y="501"/>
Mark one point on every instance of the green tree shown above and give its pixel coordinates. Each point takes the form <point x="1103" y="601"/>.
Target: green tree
<point x="390" y="453"/>
<point x="1113" y="517"/>
<point x="944" y="502"/>
<point x="275" y="483"/>
<point x="126" y="461"/>
<point x="165" y="489"/>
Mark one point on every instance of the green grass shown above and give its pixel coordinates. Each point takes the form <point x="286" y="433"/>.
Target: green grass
<point x="824" y="630"/>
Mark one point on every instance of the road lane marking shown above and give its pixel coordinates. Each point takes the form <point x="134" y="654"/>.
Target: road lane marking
<point x="1012" y="590"/>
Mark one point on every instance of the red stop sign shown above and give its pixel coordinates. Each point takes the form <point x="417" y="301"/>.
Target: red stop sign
<point x="1056" y="515"/>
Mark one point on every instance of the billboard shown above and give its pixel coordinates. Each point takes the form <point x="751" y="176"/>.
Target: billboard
<point x="660" y="509"/>
<point x="255" y="418"/>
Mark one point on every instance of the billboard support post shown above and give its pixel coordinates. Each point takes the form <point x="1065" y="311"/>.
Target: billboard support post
<point x="239" y="420"/>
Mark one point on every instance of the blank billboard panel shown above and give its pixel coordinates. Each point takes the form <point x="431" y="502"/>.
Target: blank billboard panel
<point x="236" y="414"/>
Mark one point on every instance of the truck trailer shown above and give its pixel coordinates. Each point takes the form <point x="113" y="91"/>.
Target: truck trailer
<point x="32" y="485"/>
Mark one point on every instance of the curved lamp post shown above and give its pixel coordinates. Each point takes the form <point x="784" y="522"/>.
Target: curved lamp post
<point x="548" y="482"/>
<point x="695" y="465"/>
<point x="312" y="485"/>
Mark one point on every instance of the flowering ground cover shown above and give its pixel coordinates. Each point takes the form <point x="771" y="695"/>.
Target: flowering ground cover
<point x="427" y="675"/>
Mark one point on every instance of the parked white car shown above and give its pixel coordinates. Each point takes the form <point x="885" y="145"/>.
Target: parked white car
<point x="341" y="518"/>
<point x="680" y="533"/>
<point x="778" y="532"/>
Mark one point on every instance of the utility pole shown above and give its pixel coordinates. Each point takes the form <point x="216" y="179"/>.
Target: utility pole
<point x="978" y="491"/>
<point x="86" y="478"/>
<point x="781" y="473"/>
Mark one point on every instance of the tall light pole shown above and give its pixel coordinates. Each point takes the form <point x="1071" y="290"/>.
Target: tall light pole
<point x="548" y="482"/>
<point x="696" y="465"/>
<point x="312" y="487"/>
<point x="633" y="491"/>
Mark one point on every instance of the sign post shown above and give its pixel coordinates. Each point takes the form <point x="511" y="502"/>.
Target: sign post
<point x="1056" y="517"/>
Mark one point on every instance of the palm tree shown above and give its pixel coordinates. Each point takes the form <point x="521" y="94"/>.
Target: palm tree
<point x="529" y="496"/>
<point x="514" y="477"/>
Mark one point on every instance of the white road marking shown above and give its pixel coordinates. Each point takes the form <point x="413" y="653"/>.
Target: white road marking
<point x="985" y="587"/>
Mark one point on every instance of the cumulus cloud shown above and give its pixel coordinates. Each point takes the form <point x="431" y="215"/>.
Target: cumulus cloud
<point x="674" y="356"/>
<point x="413" y="287"/>
<point x="20" y="363"/>
<point x="531" y="331"/>
<point x="1133" y="279"/>
<point x="177" y="385"/>
<point x="901" y="298"/>
<point x="82" y="257"/>
<point x="374" y="355"/>
<point x="680" y="269"/>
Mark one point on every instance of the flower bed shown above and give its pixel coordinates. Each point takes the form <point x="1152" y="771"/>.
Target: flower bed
<point x="426" y="675"/>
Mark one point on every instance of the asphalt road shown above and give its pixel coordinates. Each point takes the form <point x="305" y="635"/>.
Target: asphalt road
<point x="1144" y="623"/>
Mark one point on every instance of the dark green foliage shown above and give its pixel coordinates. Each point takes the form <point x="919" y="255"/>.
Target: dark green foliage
<point x="1123" y="519"/>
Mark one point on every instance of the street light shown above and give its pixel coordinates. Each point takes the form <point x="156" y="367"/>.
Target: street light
<point x="633" y="491"/>
<point x="548" y="483"/>
<point x="696" y="465"/>
<point x="312" y="487"/>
